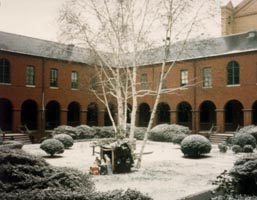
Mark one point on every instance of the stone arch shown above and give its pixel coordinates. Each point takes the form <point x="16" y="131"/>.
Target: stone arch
<point x="184" y="114"/>
<point x="92" y="114"/>
<point x="107" y="119"/>
<point x="73" y="115"/>
<point x="6" y="116"/>
<point x="234" y="115"/>
<point x="207" y="115"/>
<point x="29" y="114"/>
<point x="163" y="113"/>
<point x="52" y="115"/>
<point x="144" y="114"/>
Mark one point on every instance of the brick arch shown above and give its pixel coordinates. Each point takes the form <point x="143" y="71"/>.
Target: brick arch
<point x="73" y="114"/>
<point x="163" y="113"/>
<point x="184" y="114"/>
<point x="92" y="114"/>
<point x="6" y="116"/>
<point x="207" y="115"/>
<point x="254" y="113"/>
<point x="52" y="114"/>
<point x="29" y="114"/>
<point x="234" y="116"/>
<point x="144" y="114"/>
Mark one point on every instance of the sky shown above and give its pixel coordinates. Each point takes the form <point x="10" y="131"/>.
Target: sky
<point x="37" y="18"/>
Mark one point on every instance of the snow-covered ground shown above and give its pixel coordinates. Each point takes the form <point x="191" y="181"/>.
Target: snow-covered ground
<point x="165" y="173"/>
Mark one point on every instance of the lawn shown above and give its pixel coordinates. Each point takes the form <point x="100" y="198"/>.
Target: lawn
<point x="165" y="173"/>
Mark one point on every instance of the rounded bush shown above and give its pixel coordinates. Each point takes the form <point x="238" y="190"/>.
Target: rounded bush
<point x="52" y="146"/>
<point x="242" y="139"/>
<point x="85" y="132"/>
<point x="236" y="149"/>
<point x="248" y="149"/>
<point x="195" y="145"/>
<point x="177" y="139"/>
<point x="65" y="139"/>
<point x="222" y="147"/>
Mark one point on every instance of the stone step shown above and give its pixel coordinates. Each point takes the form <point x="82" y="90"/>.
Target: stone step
<point x="24" y="138"/>
<point x="219" y="137"/>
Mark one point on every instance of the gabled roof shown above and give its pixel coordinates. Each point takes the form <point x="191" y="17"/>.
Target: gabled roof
<point x="192" y="49"/>
<point x="42" y="48"/>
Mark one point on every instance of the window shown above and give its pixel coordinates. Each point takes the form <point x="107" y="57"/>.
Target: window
<point x="207" y="79"/>
<point x="183" y="77"/>
<point x="93" y="83"/>
<point x="53" y="78"/>
<point x="5" y="71"/>
<point x="143" y="82"/>
<point x="233" y="73"/>
<point x="30" y="75"/>
<point x="74" y="80"/>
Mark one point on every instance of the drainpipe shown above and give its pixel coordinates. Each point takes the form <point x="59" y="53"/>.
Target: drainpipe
<point x="42" y="128"/>
<point x="195" y="96"/>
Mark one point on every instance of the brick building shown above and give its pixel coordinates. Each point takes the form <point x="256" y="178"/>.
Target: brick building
<point x="240" y="18"/>
<point x="45" y="84"/>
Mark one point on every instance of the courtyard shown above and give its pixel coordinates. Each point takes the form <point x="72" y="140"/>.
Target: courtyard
<point x="165" y="173"/>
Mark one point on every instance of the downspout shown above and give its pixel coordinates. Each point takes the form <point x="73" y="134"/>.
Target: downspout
<point x="195" y="98"/>
<point x="42" y="128"/>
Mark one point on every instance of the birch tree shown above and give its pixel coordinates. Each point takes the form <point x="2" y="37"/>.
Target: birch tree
<point x="120" y="34"/>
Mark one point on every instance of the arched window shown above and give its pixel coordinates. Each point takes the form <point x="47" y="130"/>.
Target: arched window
<point x="5" y="71"/>
<point x="233" y="73"/>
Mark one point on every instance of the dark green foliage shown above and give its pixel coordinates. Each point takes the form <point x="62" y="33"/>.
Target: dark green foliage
<point x="177" y="139"/>
<point x="52" y="146"/>
<point x="195" y="145"/>
<point x="11" y="145"/>
<point x="243" y="139"/>
<point x="245" y="175"/>
<point x="165" y="132"/>
<point x="248" y="149"/>
<point x="65" y="139"/>
<point x="234" y="197"/>
<point x="222" y="147"/>
<point x="236" y="149"/>
<point x="104" y="132"/>
<point x="139" y="133"/>
<point x="85" y="132"/>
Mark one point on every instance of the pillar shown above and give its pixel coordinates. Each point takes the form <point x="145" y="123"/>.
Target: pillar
<point x="195" y="121"/>
<point x="220" y="120"/>
<point x="16" y="120"/>
<point x="83" y="117"/>
<point x="247" y="117"/>
<point x="101" y="118"/>
<point x="64" y="117"/>
<point x="173" y="116"/>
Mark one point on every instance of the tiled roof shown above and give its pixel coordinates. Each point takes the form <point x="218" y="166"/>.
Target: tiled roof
<point x="43" y="48"/>
<point x="193" y="49"/>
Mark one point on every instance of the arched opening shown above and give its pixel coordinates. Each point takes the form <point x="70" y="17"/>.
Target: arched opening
<point x="163" y="113"/>
<point x="233" y="115"/>
<point x="73" y="114"/>
<point x="144" y="114"/>
<point x="207" y="115"/>
<point x="107" y="119"/>
<point x="184" y="114"/>
<point x="6" y="109"/>
<point x="29" y="111"/>
<point x="92" y="114"/>
<point x="254" y="113"/>
<point x="52" y="115"/>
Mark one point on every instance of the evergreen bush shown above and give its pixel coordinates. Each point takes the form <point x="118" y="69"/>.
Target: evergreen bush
<point x="52" y="146"/>
<point x="195" y="145"/>
<point x="236" y="149"/>
<point x="177" y="139"/>
<point x="243" y="139"/>
<point x="222" y="147"/>
<point x="65" y="139"/>
<point x="248" y="149"/>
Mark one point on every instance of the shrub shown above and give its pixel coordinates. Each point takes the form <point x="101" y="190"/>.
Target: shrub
<point x="245" y="175"/>
<point x="104" y="132"/>
<point x="85" y="132"/>
<point x="248" y="149"/>
<point x="177" y="139"/>
<point x="195" y="145"/>
<point x="139" y="133"/>
<point x="242" y="139"/>
<point x="222" y="147"/>
<point x="236" y="149"/>
<point x="12" y="144"/>
<point x="165" y="132"/>
<point x="69" y="130"/>
<point x="252" y="130"/>
<point x="65" y="139"/>
<point x="52" y="146"/>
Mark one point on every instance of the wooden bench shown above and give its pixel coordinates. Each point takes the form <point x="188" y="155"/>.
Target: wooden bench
<point x="24" y="129"/>
<point x="214" y="129"/>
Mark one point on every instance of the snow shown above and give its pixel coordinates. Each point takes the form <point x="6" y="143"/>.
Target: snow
<point x="165" y="173"/>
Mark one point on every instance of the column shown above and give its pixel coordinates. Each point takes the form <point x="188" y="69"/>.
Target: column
<point x="195" y="121"/>
<point x="16" y="120"/>
<point x="83" y="117"/>
<point x="101" y="118"/>
<point x="64" y="116"/>
<point x="173" y="116"/>
<point x="220" y="120"/>
<point x="247" y="117"/>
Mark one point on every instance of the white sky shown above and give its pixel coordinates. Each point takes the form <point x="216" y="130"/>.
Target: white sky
<point x="37" y="18"/>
